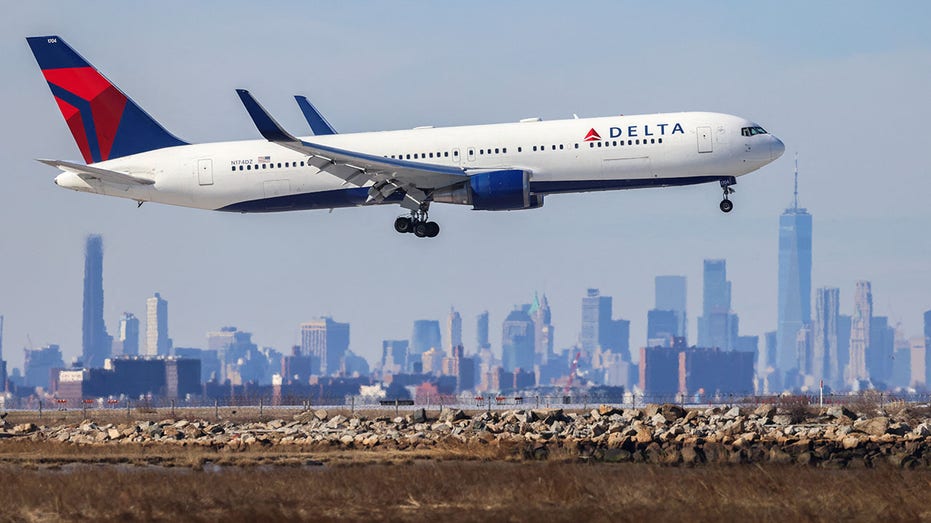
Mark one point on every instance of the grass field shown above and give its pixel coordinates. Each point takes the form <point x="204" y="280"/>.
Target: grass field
<point x="463" y="491"/>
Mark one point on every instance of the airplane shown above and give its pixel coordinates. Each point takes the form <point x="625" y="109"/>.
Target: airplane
<point x="497" y="167"/>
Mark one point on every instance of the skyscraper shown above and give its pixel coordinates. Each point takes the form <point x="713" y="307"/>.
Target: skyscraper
<point x="860" y="335"/>
<point x="454" y="329"/>
<point x="543" y="329"/>
<point x="95" y="340"/>
<point x="928" y="327"/>
<point x="671" y="296"/>
<point x="326" y="341"/>
<point x="425" y="336"/>
<point x="481" y="331"/>
<point x="717" y="326"/>
<point x="156" y="328"/>
<point x="826" y="363"/>
<point x="517" y="341"/>
<point x="794" y="308"/>
<point x="662" y="327"/>
<point x="599" y="330"/>
<point x="129" y="334"/>
<point x="879" y="355"/>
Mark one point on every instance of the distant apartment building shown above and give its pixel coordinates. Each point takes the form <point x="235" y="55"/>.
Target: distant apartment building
<point x="670" y="295"/>
<point x="133" y="377"/>
<point x="517" y="341"/>
<point x="481" y="331"/>
<point x="825" y="349"/>
<point x="857" y="373"/>
<point x="128" y="340"/>
<point x="717" y="326"/>
<point x="327" y="341"/>
<point x="543" y="329"/>
<point x="599" y="330"/>
<point x="394" y="356"/>
<point x="453" y="330"/>
<point x="425" y="336"/>
<point x="666" y="372"/>
<point x="157" y="341"/>
<point x="39" y="364"/>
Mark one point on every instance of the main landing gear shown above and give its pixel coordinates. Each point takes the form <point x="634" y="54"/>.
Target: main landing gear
<point x="726" y="204"/>
<point x="417" y="223"/>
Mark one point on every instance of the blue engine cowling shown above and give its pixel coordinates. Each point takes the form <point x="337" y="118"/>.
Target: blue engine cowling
<point x="502" y="191"/>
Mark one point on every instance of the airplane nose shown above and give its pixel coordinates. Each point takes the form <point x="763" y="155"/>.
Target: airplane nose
<point x="777" y="148"/>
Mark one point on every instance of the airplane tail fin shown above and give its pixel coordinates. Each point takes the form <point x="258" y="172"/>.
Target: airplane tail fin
<point x="105" y="123"/>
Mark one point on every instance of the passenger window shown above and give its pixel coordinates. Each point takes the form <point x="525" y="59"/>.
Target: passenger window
<point x="652" y="140"/>
<point x="660" y="140"/>
<point x="248" y="167"/>
<point x="302" y="164"/>
<point x="599" y="144"/>
<point x="279" y="165"/>
<point x="240" y="167"/>
<point x="576" y="146"/>
<point x="630" y="142"/>
<point x="504" y="150"/>
<point x="560" y="147"/>
<point x="234" y="167"/>
<point x="446" y="154"/>
<point x="591" y="144"/>
<point x="534" y="147"/>
<point x="520" y="149"/>
<point x="455" y="153"/>
<point x="496" y="150"/>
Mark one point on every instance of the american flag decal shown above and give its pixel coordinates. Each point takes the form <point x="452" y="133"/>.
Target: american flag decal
<point x="265" y="159"/>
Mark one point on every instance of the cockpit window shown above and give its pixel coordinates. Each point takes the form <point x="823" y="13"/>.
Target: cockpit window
<point x="752" y="131"/>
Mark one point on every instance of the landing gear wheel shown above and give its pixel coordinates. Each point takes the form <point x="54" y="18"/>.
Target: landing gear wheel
<point x="403" y="224"/>
<point x="420" y="229"/>
<point x="726" y="205"/>
<point x="433" y="229"/>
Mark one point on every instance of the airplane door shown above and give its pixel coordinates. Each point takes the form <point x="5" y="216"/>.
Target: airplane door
<point x="205" y="172"/>
<point x="456" y="157"/>
<point x="704" y="139"/>
<point x="471" y="154"/>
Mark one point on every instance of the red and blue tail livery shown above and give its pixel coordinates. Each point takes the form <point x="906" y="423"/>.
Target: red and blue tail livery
<point x="105" y="123"/>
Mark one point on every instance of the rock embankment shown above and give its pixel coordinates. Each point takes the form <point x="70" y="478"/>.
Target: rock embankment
<point x="666" y="434"/>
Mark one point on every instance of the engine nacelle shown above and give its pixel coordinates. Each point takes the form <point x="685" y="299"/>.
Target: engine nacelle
<point x="505" y="190"/>
<point x="500" y="190"/>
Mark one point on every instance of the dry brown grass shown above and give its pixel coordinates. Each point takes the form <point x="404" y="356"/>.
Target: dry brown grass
<point x="465" y="491"/>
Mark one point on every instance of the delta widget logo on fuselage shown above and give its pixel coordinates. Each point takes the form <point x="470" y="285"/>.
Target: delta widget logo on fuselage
<point x="636" y="131"/>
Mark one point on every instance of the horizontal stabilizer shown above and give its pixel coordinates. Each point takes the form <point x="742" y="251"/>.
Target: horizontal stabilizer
<point x="317" y="122"/>
<point x="105" y="175"/>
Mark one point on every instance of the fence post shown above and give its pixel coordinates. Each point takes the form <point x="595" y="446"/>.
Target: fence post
<point x="352" y="404"/>
<point x="40" y="409"/>
<point x="129" y="413"/>
<point x="216" y="408"/>
<point x="172" y="408"/>
<point x="260" y="407"/>
<point x="84" y="408"/>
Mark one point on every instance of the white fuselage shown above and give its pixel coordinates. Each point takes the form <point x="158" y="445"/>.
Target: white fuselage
<point x="629" y="151"/>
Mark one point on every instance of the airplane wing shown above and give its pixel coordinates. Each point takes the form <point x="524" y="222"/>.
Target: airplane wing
<point x="386" y="175"/>
<point x="317" y="122"/>
<point x="90" y="172"/>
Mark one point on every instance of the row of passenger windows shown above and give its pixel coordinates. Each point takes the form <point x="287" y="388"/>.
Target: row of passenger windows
<point x="616" y="143"/>
<point x="267" y="166"/>
<point x="472" y="153"/>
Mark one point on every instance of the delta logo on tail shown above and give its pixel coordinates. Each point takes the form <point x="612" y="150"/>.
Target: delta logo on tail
<point x="592" y="136"/>
<point x="104" y="122"/>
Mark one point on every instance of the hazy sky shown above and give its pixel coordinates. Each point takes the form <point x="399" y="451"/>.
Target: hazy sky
<point x="844" y="84"/>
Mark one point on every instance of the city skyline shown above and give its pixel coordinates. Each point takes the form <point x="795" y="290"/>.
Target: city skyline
<point x="269" y="273"/>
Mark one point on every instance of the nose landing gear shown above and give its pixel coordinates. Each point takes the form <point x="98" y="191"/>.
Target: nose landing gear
<point x="726" y="204"/>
